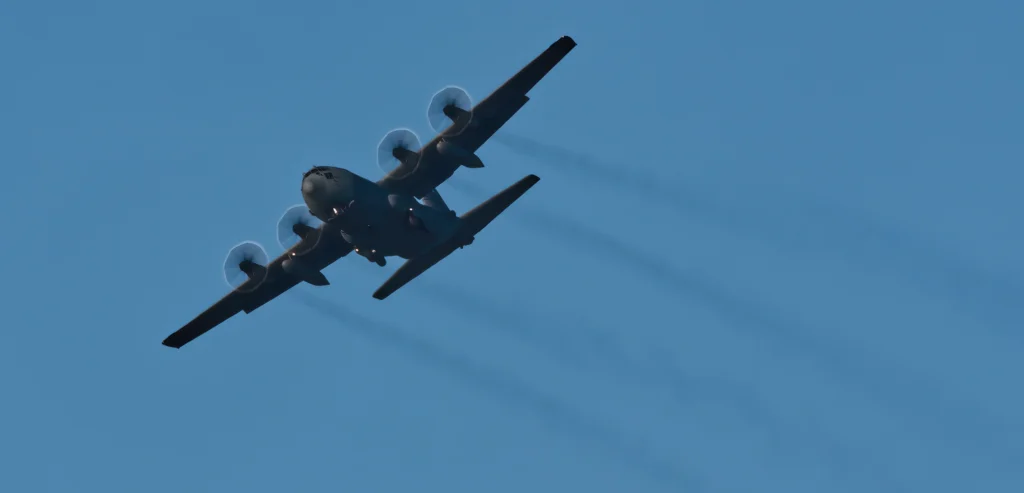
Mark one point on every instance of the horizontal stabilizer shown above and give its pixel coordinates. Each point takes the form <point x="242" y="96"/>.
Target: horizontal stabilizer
<point x="477" y="219"/>
<point x="470" y="224"/>
<point x="412" y="268"/>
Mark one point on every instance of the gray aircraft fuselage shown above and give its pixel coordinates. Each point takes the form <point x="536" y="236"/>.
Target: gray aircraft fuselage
<point x="377" y="223"/>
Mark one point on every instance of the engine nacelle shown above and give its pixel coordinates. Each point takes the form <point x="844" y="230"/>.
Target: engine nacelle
<point x="455" y="153"/>
<point x="453" y="113"/>
<point x="405" y="156"/>
<point x="301" y="270"/>
<point x="252" y="269"/>
<point x="303" y="231"/>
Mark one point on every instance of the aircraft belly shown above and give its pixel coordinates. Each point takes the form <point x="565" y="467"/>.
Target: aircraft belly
<point x="390" y="238"/>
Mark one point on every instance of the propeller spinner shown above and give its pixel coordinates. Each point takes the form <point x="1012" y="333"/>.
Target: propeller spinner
<point x="450" y="107"/>
<point x="296" y="224"/>
<point x="245" y="261"/>
<point x="399" y="146"/>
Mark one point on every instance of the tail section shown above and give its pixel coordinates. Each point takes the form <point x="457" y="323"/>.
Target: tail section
<point x="477" y="219"/>
<point x="434" y="201"/>
<point x="470" y="224"/>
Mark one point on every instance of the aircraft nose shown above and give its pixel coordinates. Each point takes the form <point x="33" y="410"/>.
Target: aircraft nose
<point x="308" y="185"/>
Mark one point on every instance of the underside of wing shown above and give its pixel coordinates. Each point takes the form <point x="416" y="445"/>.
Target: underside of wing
<point x="420" y="172"/>
<point x="303" y="262"/>
<point x="213" y="316"/>
<point x="239" y="300"/>
<point x="500" y="106"/>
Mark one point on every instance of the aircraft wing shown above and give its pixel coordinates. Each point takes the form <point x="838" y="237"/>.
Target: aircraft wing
<point x="314" y="253"/>
<point x="419" y="177"/>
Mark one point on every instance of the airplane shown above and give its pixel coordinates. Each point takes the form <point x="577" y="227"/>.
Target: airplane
<point x="402" y="215"/>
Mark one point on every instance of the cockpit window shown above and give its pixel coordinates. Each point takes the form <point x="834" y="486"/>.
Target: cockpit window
<point x="315" y="170"/>
<point x="329" y="175"/>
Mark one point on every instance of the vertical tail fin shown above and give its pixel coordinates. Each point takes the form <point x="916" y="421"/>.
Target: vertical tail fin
<point x="434" y="201"/>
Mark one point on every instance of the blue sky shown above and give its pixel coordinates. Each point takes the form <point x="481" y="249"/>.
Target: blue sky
<point x="776" y="247"/>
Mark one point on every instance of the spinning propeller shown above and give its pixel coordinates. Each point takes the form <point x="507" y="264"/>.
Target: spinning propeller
<point x="450" y="106"/>
<point x="399" y="146"/>
<point x="247" y="260"/>
<point x="295" y="225"/>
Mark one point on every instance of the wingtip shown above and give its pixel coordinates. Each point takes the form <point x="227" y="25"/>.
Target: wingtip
<point x="567" y="40"/>
<point x="532" y="179"/>
<point x="173" y="342"/>
<point x="379" y="296"/>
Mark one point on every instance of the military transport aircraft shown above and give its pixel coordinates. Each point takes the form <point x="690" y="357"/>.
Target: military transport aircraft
<point x="401" y="215"/>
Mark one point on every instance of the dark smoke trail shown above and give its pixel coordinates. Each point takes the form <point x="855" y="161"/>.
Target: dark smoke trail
<point x="588" y="166"/>
<point x="885" y="383"/>
<point x="558" y="416"/>
<point x="685" y="390"/>
<point x="602" y="351"/>
<point x="596" y="349"/>
<point x="991" y="297"/>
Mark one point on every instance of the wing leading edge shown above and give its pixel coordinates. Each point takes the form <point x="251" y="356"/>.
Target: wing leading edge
<point x="320" y="250"/>
<point x="420" y="177"/>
